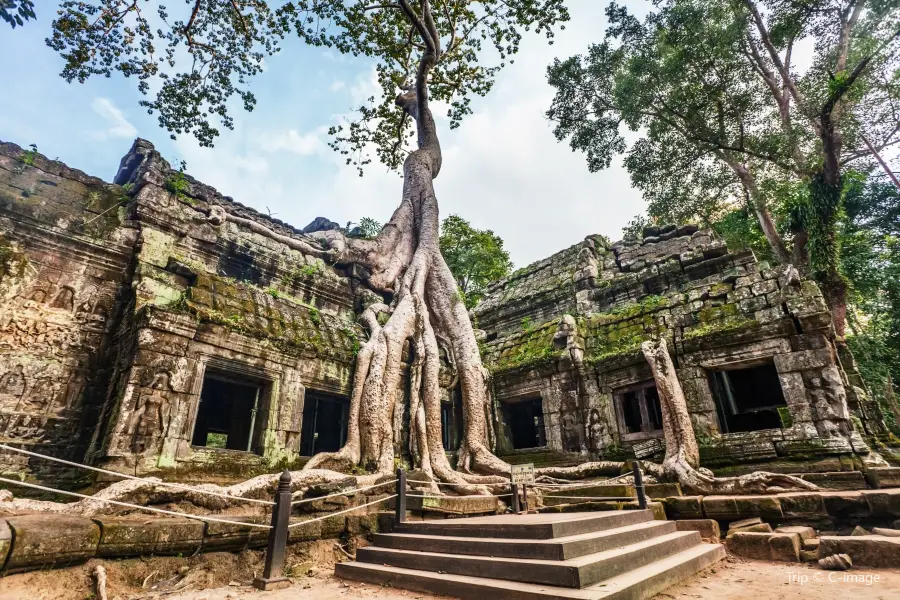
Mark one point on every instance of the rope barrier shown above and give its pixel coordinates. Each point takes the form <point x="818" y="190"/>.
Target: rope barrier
<point x="344" y="493"/>
<point x="133" y="478"/>
<point x="458" y="484"/>
<point x="126" y="504"/>
<point x="604" y="498"/>
<point x="340" y="512"/>
<point x="456" y="497"/>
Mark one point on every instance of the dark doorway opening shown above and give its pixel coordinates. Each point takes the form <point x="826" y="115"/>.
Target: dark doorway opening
<point x="227" y="415"/>
<point x="525" y="419"/>
<point x="747" y="399"/>
<point x="324" y="423"/>
<point x="452" y="421"/>
<point x="638" y="412"/>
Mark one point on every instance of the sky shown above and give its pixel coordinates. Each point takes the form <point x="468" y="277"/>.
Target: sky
<point x="503" y="169"/>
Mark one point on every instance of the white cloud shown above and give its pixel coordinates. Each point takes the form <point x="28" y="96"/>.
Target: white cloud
<point x="304" y="144"/>
<point x="118" y="125"/>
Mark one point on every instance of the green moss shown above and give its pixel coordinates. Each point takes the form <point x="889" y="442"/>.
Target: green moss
<point x="787" y="420"/>
<point x="725" y="325"/>
<point x="715" y="313"/>
<point x="532" y="348"/>
<point x="28" y="156"/>
<point x="645" y="306"/>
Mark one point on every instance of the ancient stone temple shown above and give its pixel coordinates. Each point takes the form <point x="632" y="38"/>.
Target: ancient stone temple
<point x="754" y="349"/>
<point x="152" y="324"/>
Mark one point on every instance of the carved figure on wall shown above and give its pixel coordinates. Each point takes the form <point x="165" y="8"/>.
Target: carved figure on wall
<point x="597" y="429"/>
<point x="13" y="382"/>
<point x="827" y="397"/>
<point x="64" y="299"/>
<point x="39" y="396"/>
<point x="570" y="432"/>
<point x="147" y="423"/>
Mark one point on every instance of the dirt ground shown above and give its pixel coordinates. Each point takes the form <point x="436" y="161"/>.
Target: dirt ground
<point x="227" y="577"/>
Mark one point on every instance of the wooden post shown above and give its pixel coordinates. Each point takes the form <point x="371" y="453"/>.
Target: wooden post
<point x="400" y="500"/>
<point x="525" y="497"/>
<point x="515" y="497"/>
<point x="639" y="484"/>
<point x="273" y="574"/>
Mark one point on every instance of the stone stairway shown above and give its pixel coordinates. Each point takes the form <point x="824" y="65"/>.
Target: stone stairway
<point x="586" y="556"/>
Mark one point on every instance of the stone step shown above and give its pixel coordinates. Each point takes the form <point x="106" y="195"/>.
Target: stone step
<point x="531" y="526"/>
<point x="574" y="573"/>
<point x="551" y="549"/>
<point x="638" y="584"/>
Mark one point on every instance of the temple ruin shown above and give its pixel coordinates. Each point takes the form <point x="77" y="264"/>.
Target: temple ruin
<point x="141" y="333"/>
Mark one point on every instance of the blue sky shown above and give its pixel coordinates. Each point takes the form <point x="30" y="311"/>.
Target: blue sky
<point x="503" y="169"/>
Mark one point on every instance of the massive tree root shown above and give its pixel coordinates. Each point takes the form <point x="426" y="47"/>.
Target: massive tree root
<point x="425" y="306"/>
<point x="148" y="492"/>
<point x="682" y="455"/>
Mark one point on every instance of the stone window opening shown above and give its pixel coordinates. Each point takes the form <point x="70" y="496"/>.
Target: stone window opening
<point x="525" y="420"/>
<point x="324" y="427"/>
<point x="638" y="412"/>
<point x="228" y="414"/>
<point x="748" y="398"/>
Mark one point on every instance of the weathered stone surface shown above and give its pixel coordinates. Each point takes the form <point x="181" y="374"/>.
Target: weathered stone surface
<point x="836" y="562"/>
<point x="331" y="527"/>
<point x="684" y="507"/>
<point x="802" y="505"/>
<point x="225" y="537"/>
<point x="886" y="532"/>
<point x="5" y="541"/>
<point x="845" y="505"/>
<point x="734" y="525"/>
<point x="454" y="505"/>
<point x="50" y="540"/>
<point x="809" y="555"/>
<point x="138" y="536"/>
<point x="708" y="528"/>
<point x="765" y="546"/>
<point x="757" y="528"/>
<point x="841" y="480"/>
<point x="884" y="477"/>
<point x="860" y="531"/>
<point x="865" y="550"/>
<point x="805" y="533"/>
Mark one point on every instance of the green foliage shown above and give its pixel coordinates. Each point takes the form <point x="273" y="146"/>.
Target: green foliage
<point x="314" y="316"/>
<point x="204" y="55"/>
<point x="273" y="292"/>
<point x="16" y="12"/>
<point x="178" y="184"/>
<point x="29" y="155"/>
<point x="476" y="257"/>
<point x="526" y="324"/>
<point x="300" y="273"/>
<point x="366" y="228"/>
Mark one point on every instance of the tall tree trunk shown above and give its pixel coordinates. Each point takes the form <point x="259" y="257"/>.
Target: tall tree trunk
<point x="682" y="454"/>
<point x="763" y="216"/>
<point x="406" y="262"/>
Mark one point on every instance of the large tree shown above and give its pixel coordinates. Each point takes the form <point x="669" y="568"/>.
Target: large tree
<point x="727" y="117"/>
<point x="475" y="256"/>
<point x="448" y="51"/>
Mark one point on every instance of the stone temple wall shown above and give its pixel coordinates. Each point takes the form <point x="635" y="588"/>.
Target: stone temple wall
<point x="718" y="310"/>
<point x="117" y="299"/>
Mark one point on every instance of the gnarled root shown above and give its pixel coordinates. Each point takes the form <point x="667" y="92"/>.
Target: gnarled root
<point x="582" y="471"/>
<point x="702" y="482"/>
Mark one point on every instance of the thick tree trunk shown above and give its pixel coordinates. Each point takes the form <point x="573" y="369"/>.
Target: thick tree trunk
<point x="682" y="454"/>
<point x="761" y="210"/>
<point x="405" y="261"/>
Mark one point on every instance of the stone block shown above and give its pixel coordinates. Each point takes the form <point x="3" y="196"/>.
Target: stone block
<point x="50" y="540"/>
<point x="845" y="505"/>
<point x="805" y="533"/>
<point x="455" y="505"/>
<point x="313" y="530"/>
<point x="140" y="536"/>
<point x="332" y="526"/>
<point x="883" y="477"/>
<point x="684" y="507"/>
<point x="860" y="531"/>
<point x="803" y="360"/>
<point x="757" y="528"/>
<point x="883" y="503"/>
<point x="5" y="540"/>
<point x="765" y="546"/>
<point x="865" y="550"/>
<point x="809" y="555"/>
<point x="708" y="528"/>
<point x="767" y="507"/>
<point x="721" y="508"/>
<point x="225" y="537"/>
<point x="886" y="532"/>
<point x="802" y="505"/>
<point x="744" y="523"/>
<point x="839" y="480"/>
<point x="362" y="524"/>
<point x="662" y="490"/>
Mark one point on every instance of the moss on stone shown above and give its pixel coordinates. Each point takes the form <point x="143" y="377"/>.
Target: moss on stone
<point x="13" y="261"/>
<point x="644" y="306"/>
<point x="726" y="325"/>
<point x="529" y="348"/>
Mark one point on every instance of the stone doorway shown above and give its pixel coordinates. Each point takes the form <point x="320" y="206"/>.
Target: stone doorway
<point x="525" y="420"/>
<point x="747" y="399"/>
<point x="227" y="415"/>
<point x="638" y="412"/>
<point x="324" y="423"/>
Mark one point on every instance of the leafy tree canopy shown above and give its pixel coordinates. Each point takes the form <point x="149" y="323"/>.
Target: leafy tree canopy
<point x="475" y="256"/>
<point x="16" y="12"/>
<point x="206" y="54"/>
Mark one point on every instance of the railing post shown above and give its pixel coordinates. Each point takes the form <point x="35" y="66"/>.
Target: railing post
<point x="400" y="504"/>
<point x="639" y="484"/>
<point x="525" y="497"/>
<point x="273" y="574"/>
<point x="515" y="497"/>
